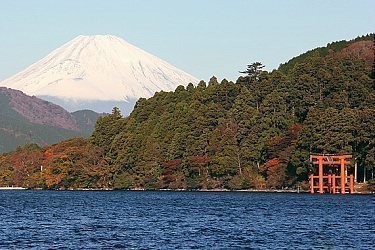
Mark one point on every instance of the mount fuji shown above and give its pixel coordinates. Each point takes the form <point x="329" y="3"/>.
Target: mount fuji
<point x="98" y="72"/>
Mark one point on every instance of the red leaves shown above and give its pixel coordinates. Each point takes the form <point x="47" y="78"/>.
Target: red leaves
<point x="279" y="150"/>
<point x="168" y="179"/>
<point x="275" y="171"/>
<point x="199" y="160"/>
<point x="75" y="160"/>
<point x="171" y="166"/>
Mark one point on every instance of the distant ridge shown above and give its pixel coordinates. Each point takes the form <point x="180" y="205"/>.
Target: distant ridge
<point x="28" y="119"/>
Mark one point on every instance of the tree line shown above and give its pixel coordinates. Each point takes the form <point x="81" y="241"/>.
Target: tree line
<point x="256" y="132"/>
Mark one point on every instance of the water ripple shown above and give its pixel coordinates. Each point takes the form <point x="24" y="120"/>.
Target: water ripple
<point x="184" y="220"/>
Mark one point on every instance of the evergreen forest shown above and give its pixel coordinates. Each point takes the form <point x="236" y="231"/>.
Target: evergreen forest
<point x="255" y="133"/>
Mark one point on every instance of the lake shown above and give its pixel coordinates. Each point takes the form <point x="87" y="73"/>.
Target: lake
<point x="184" y="220"/>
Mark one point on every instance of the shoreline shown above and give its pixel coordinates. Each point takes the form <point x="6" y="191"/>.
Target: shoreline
<point x="13" y="188"/>
<point x="176" y="190"/>
<point x="295" y="191"/>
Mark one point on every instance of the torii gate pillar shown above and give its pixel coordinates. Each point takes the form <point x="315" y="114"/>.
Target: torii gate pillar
<point x="333" y="177"/>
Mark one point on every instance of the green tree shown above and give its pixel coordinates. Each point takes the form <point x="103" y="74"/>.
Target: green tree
<point x="106" y="128"/>
<point x="253" y="72"/>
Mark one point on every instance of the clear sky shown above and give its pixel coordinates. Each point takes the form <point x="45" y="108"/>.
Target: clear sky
<point x="201" y="37"/>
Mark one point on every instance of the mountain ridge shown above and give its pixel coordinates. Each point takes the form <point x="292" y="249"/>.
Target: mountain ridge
<point x="28" y="119"/>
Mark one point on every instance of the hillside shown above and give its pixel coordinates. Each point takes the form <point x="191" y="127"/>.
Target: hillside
<point x="85" y="120"/>
<point x="25" y="119"/>
<point x="359" y="48"/>
<point x="255" y="133"/>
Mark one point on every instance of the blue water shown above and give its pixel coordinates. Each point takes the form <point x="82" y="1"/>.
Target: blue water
<point x="184" y="220"/>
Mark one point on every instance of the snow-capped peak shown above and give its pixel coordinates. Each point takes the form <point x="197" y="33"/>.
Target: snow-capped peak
<point x="98" y="68"/>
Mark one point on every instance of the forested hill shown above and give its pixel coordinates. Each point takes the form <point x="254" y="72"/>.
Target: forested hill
<point x="360" y="48"/>
<point x="254" y="133"/>
<point x="257" y="131"/>
<point x="28" y="119"/>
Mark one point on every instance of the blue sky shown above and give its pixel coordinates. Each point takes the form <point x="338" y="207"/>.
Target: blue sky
<point x="202" y="37"/>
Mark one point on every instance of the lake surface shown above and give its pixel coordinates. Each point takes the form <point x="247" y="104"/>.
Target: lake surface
<point x="184" y="220"/>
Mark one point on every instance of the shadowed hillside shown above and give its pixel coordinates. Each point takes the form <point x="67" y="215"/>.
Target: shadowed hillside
<point x="25" y="119"/>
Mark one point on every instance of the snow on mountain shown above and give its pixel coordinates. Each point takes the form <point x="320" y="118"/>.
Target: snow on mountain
<point x="97" y="69"/>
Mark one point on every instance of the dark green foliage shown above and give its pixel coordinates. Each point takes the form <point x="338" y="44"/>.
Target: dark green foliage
<point x="253" y="72"/>
<point x="106" y="128"/>
<point x="241" y="135"/>
<point x="86" y="120"/>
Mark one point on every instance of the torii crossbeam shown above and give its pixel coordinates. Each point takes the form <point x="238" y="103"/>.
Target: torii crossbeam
<point x="332" y="174"/>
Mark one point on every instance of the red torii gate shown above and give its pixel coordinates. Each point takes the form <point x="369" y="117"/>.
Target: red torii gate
<point x="332" y="174"/>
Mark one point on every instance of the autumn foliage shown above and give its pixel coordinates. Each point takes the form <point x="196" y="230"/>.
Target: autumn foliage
<point x="70" y="164"/>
